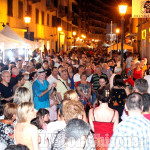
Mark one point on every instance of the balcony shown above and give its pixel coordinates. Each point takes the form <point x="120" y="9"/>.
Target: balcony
<point x="36" y="1"/>
<point x="50" y="5"/>
<point x="63" y="11"/>
<point x="70" y="16"/>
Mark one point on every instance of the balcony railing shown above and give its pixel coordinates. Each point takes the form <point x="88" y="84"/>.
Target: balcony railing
<point x="36" y="1"/>
<point x="63" y="11"/>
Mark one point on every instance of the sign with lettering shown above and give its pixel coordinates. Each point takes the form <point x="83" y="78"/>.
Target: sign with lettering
<point x="140" y="8"/>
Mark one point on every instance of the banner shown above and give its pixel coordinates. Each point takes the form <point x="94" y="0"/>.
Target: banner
<point x="140" y="8"/>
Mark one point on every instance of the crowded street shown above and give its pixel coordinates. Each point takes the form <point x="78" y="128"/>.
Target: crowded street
<point x="74" y="75"/>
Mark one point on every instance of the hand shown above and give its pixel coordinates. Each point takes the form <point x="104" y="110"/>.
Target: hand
<point x="56" y="102"/>
<point x="49" y="86"/>
<point x="54" y="84"/>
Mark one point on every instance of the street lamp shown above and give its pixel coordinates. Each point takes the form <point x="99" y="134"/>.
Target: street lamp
<point x="27" y="20"/>
<point x="122" y="10"/>
<point x="59" y="30"/>
<point x="74" y="35"/>
<point x="117" y="32"/>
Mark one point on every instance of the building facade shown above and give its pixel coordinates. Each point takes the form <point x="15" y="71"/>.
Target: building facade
<point x="46" y="17"/>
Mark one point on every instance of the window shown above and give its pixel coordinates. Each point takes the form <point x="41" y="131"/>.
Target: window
<point x="47" y="19"/>
<point x="10" y="7"/>
<point x="42" y="17"/>
<point x="37" y="16"/>
<point x="30" y="10"/>
<point x="20" y="9"/>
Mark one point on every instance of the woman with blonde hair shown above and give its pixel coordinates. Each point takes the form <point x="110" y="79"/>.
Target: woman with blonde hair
<point x="26" y="133"/>
<point x="22" y="94"/>
<point x="71" y="95"/>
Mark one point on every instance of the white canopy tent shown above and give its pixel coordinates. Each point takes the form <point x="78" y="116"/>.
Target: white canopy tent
<point x="11" y="40"/>
<point x="125" y="46"/>
<point x="8" y="32"/>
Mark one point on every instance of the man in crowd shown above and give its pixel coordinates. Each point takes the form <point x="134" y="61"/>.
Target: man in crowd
<point x="41" y="89"/>
<point x="71" y="110"/>
<point x="134" y="132"/>
<point x="54" y="75"/>
<point x="62" y="84"/>
<point x="81" y="69"/>
<point x="5" y="88"/>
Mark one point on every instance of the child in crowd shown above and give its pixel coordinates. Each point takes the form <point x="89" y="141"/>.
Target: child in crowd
<point x="53" y="105"/>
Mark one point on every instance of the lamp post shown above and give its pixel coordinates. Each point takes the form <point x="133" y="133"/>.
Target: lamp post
<point x="27" y="20"/>
<point x="59" y="30"/>
<point x="117" y="32"/>
<point x="122" y="10"/>
<point x="74" y="35"/>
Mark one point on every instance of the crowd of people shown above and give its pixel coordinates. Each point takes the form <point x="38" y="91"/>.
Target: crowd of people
<point x="75" y="101"/>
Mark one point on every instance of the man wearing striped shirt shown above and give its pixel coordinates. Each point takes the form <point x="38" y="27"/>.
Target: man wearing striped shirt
<point x="95" y="81"/>
<point x="134" y="132"/>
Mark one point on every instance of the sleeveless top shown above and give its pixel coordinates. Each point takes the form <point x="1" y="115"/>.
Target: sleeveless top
<point x="137" y="74"/>
<point x="102" y="133"/>
<point x="103" y="128"/>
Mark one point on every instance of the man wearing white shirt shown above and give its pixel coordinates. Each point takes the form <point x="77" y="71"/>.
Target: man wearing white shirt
<point x="76" y="77"/>
<point x="54" y="76"/>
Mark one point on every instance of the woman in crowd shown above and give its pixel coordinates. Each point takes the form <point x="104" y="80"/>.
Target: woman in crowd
<point x="44" y="117"/>
<point x="22" y="94"/>
<point x="70" y="76"/>
<point x="106" y="70"/>
<point x="71" y="95"/>
<point x="103" y="119"/>
<point x="32" y="77"/>
<point x="7" y="124"/>
<point x="24" y="132"/>
<point x="119" y="93"/>
<point x="137" y="72"/>
<point x="84" y="89"/>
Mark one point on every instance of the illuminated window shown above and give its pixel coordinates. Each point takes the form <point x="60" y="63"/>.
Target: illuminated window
<point x="144" y="34"/>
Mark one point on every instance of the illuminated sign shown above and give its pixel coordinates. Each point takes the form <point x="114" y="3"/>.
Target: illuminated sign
<point x="140" y="9"/>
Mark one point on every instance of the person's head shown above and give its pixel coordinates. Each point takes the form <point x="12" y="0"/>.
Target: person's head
<point x="45" y="65"/>
<point x="83" y="76"/>
<point x="41" y="74"/>
<point x="60" y="109"/>
<point x="54" y="71"/>
<point x="137" y="65"/>
<point x="103" y="81"/>
<point x="105" y="66"/>
<point x="103" y="95"/>
<point x="43" y="115"/>
<point x="25" y="112"/>
<point x="64" y="75"/>
<point x="118" y="81"/>
<point x="98" y="69"/>
<point x="81" y="69"/>
<point x="71" y="95"/>
<point x="118" y="70"/>
<point x="19" y="64"/>
<point x="6" y="76"/>
<point x="38" y="65"/>
<point x="9" y="111"/>
<point x="146" y="103"/>
<point x="17" y="147"/>
<point x="141" y="86"/>
<point x="70" y="69"/>
<point x="36" y="122"/>
<point x="33" y="76"/>
<point x="22" y="94"/>
<point x="73" y="109"/>
<point x="76" y="133"/>
<point x="21" y="80"/>
<point x="15" y="71"/>
<point x="134" y="102"/>
<point x="88" y="70"/>
<point x="26" y="76"/>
